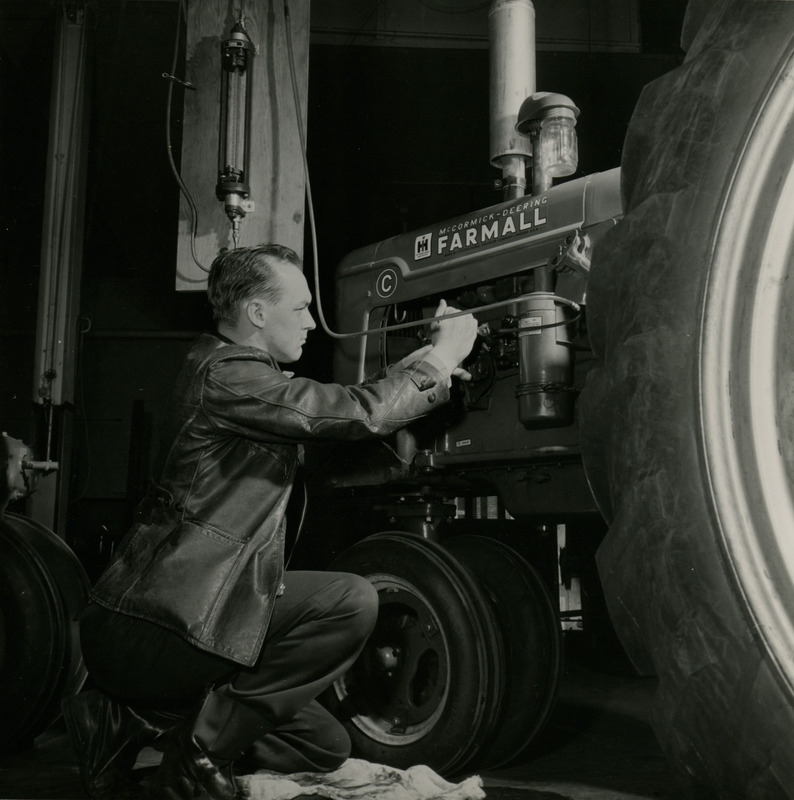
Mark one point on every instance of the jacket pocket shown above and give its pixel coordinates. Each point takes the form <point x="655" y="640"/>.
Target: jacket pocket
<point x="183" y="576"/>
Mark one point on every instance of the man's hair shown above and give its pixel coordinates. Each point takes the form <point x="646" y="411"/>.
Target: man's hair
<point x="245" y="272"/>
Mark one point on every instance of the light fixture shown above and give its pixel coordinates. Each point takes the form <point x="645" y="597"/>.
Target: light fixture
<point x="234" y="144"/>
<point x="549" y="119"/>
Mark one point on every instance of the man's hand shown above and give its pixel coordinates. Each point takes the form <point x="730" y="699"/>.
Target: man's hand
<point x="452" y="339"/>
<point x="419" y="355"/>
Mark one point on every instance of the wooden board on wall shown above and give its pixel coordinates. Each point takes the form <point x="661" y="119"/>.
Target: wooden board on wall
<point x="277" y="176"/>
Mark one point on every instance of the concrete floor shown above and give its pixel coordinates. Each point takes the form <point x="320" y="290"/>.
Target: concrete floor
<point x="597" y="746"/>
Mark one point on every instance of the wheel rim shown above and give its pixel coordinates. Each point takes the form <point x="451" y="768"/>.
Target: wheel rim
<point x="403" y="676"/>
<point x="747" y="376"/>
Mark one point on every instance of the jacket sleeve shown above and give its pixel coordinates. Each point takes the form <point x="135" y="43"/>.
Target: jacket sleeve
<point x="430" y="359"/>
<point x="247" y="397"/>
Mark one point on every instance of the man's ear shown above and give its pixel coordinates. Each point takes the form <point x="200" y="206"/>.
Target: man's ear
<point x="256" y="312"/>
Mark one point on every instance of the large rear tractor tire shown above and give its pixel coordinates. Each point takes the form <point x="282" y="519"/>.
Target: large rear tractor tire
<point x="688" y="416"/>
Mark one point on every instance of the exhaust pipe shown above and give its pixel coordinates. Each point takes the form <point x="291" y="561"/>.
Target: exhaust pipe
<point x="511" y="31"/>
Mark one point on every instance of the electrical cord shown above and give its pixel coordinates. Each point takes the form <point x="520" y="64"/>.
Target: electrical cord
<point x="313" y="232"/>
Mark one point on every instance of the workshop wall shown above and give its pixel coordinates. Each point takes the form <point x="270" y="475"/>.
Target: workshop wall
<point x="25" y="76"/>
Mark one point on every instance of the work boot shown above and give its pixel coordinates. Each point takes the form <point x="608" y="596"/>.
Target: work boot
<point x="188" y="773"/>
<point x="107" y="736"/>
<point x="198" y="762"/>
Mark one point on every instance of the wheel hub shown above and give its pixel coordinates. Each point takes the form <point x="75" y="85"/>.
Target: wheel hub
<point x="402" y="674"/>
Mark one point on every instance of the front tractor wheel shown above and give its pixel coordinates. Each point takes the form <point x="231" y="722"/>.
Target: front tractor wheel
<point x="529" y="624"/>
<point x="462" y="668"/>
<point x="427" y="687"/>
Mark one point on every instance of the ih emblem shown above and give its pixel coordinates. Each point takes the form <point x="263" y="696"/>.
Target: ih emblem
<point x="422" y="246"/>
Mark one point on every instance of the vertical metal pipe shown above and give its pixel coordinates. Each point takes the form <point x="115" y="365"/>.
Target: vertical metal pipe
<point x="62" y="227"/>
<point x="541" y="181"/>
<point x="511" y="26"/>
<point x="61" y="258"/>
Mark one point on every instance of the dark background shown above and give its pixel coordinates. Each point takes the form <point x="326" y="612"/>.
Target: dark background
<point x="398" y="138"/>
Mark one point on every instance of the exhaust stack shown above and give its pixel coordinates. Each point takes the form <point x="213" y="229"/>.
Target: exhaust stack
<point x="511" y="29"/>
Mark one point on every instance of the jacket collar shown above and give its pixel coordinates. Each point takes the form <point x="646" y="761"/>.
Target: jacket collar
<point x="261" y="353"/>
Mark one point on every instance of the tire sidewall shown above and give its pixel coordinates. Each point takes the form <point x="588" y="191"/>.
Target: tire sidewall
<point x="723" y="711"/>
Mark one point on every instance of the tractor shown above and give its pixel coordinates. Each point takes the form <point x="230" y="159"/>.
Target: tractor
<point x="632" y="390"/>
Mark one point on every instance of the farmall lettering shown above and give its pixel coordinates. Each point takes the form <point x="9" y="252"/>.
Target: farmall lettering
<point x="529" y="214"/>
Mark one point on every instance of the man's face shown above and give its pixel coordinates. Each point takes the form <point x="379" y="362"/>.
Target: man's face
<point x="287" y="321"/>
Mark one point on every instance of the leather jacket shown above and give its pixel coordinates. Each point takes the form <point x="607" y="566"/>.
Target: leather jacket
<point x="205" y="554"/>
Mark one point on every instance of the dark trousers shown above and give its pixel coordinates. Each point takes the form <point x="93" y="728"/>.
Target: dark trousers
<point x="318" y="628"/>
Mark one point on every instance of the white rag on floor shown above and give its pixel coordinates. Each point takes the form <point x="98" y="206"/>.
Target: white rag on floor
<point x="361" y="780"/>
